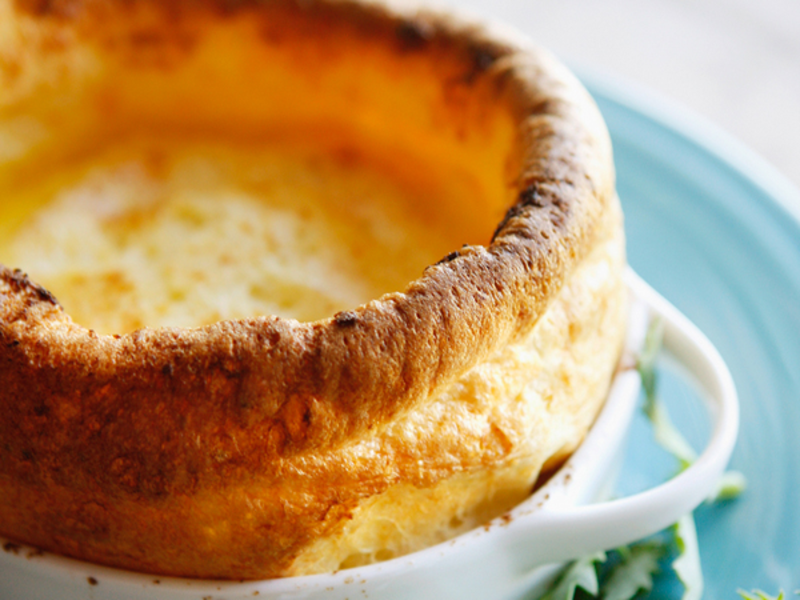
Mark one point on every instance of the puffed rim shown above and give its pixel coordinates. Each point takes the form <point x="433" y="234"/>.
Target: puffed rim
<point x="300" y="387"/>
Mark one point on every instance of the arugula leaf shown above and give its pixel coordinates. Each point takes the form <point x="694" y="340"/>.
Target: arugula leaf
<point x="639" y="562"/>
<point x="759" y="595"/>
<point x="635" y="572"/>
<point x="666" y="434"/>
<point x="646" y="361"/>
<point x="730" y="486"/>
<point x="687" y="564"/>
<point x="580" y="574"/>
<point x="732" y="483"/>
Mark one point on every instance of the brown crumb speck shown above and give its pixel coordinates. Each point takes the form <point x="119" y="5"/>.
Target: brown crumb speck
<point x="413" y="35"/>
<point x="91" y="580"/>
<point x="482" y="57"/>
<point x="19" y="282"/>
<point x="532" y="196"/>
<point x="450" y="257"/>
<point x="345" y="318"/>
<point x="12" y="547"/>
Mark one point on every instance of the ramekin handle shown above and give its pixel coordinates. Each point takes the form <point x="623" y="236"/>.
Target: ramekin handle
<point x="566" y="534"/>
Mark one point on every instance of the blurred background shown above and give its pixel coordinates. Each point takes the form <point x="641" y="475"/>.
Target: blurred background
<point x="734" y="62"/>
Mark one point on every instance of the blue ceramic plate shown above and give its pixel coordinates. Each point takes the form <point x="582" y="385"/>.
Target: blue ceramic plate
<point x="716" y="231"/>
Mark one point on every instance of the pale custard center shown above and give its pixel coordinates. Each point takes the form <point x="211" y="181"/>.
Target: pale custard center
<point x="186" y="234"/>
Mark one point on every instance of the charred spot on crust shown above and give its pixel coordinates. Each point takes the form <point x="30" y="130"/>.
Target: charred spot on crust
<point x="19" y="282"/>
<point x="412" y="35"/>
<point x="481" y="58"/>
<point x="533" y="196"/>
<point x="530" y="196"/>
<point x="345" y="318"/>
<point x="12" y="547"/>
<point x="450" y="257"/>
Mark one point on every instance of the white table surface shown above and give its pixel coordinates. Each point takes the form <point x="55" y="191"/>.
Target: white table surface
<point x="735" y="63"/>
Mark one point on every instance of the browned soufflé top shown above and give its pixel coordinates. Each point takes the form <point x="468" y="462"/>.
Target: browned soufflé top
<point x="157" y="416"/>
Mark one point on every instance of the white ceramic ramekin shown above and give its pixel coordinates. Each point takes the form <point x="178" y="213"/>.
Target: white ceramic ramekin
<point x="514" y="556"/>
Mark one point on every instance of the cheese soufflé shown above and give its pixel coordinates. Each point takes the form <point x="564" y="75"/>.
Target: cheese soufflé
<point x="290" y="286"/>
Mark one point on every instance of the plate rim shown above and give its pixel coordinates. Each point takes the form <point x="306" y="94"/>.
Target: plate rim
<point x="768" y="191"/>
<point x="681" y="120"/>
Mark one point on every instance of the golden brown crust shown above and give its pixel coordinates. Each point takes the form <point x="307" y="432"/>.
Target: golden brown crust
<point x="133" y="426"/>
